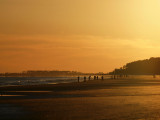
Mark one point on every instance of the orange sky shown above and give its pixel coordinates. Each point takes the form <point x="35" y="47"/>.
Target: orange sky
<point x="81" y="35"/>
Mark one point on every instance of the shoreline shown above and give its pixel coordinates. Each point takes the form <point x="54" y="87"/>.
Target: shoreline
<point x="89" y="83"/>
<point x="13" y="81"/>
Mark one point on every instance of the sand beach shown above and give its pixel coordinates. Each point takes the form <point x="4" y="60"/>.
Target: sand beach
<point x="129" y="98"/>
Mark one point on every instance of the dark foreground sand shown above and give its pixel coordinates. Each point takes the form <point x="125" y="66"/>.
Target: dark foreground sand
<point x="121" y="99"/>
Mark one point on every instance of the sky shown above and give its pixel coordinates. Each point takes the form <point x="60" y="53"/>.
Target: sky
<point x="78" y="35"/>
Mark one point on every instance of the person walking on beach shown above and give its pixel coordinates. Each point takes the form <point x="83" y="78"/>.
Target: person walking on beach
<point x="78" y="78"/>
<point x="102" y="77"/>
<point x="94" y="77"/>
<point x="84" y="78"/>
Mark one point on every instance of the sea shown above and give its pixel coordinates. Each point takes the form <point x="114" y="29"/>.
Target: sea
<point x="12" y="81"/>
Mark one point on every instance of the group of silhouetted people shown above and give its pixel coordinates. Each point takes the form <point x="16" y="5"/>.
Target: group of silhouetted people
<point x="89" y="78"/>
<point x="118" y="76"/>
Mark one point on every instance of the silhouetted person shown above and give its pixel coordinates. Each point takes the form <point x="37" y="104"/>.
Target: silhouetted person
<point x="84" y="78"/>
<point x="94" y="77"/>
<point x="78" y="78"/>
<point x="102" y="77"/>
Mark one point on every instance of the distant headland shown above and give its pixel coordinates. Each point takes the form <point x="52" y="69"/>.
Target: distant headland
<point x="45" y="73"/>
<point x="141" y="67"/>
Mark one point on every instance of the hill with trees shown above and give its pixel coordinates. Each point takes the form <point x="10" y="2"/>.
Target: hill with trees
<point x="141" y="67"/>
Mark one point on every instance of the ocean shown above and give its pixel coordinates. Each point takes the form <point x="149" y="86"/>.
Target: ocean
<point x="11" y="81"/>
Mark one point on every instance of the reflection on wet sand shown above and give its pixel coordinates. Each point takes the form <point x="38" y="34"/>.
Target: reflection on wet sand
<point x="120" y="99"/>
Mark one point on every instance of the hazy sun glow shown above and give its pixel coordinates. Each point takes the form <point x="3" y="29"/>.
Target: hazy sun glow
<point x="82" y="35"/>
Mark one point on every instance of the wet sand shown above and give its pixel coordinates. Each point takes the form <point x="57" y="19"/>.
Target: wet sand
<point x="121" y="99"/>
